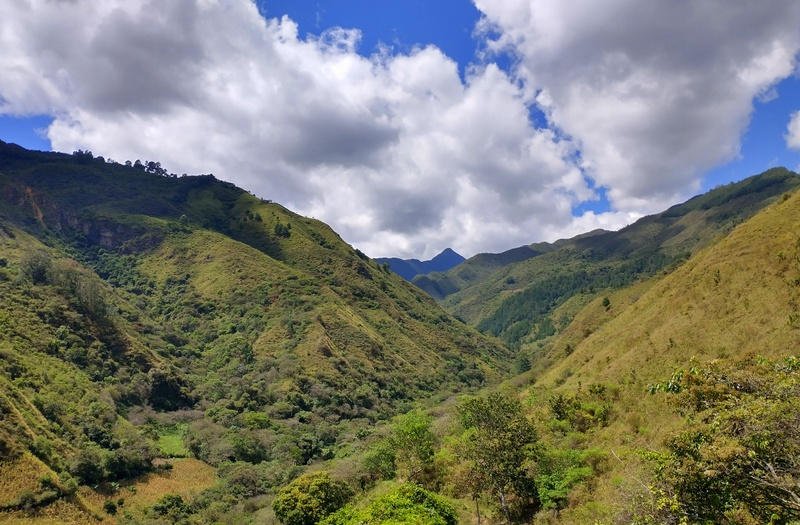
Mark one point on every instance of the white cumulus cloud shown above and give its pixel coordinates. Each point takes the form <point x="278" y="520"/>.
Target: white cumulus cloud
<point x="654" y="93"/>
<point x="396" y="152"/>
<point x="793" y="131"/>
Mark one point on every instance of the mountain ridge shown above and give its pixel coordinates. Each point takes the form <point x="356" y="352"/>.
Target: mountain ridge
<point x="410" y="268"/>
<point x="514" y="299"/>
<point x="139" y="308"/>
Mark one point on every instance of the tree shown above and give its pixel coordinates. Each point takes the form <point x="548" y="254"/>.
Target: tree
<point x="36" y="267"/>
<point x="310" y="498"/>
<point x="497" y="442"/>
<point x="87" y="466"/>
<point x="740" y="455"/>
<point x="172" y="507"/>
<point x="283" y="230"/>
<point x="413" y="443"/>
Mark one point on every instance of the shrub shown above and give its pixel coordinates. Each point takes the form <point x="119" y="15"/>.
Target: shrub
<point x="88" y="465"/>
<point x="741" y="452"/>
<point x="171" y="506"/>
<point x="36" y="267"/>
<point x="408" y="503"/>
<point x="310" y="498"/>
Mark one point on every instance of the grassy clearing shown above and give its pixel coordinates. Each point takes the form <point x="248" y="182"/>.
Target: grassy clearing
<point x="187" y="478"/>
<point x="18" y="475"/>
<point x="171" y="441"/>
<point x="61" y="512"/>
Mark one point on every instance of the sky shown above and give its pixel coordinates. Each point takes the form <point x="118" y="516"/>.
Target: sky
<point x="410" y="126"/>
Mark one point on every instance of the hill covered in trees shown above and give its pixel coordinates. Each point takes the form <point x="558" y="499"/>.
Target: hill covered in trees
<point x="176" y="350"/>
<point x="673" y="399"/>
<point x="147" y="315"/>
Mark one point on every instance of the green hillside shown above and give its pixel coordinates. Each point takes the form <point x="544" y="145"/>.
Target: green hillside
<point x="674" y="399"/>
<point x="514" y="295"/>
<point x="176" y="350"/>
<point x="147" y="315"/>
<point x="730" y="309"/>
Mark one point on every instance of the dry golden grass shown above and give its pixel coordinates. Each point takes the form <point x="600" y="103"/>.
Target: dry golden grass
<point x="732" y="299"/>
<point x="61" y="512"/>
<point x="187" y="478"/>
<point x="19" y="475"/>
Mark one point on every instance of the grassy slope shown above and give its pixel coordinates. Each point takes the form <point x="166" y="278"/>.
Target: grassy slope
<point x="737" y="297"/>
<point x="216" y="301"/>
<point x="516" y="300"/>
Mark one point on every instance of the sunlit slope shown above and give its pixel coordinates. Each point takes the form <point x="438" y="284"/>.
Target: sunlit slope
<point x="137" y="306"/>
<point x="736" y="298"/>
<point x="218" y="253"/>
<point x="517" y="300"/>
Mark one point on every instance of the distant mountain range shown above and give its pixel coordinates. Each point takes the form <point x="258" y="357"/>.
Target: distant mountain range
<point x="410" y="268"/>
<point x="515" y="295"/>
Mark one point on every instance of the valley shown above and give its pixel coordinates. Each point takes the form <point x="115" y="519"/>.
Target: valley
<point x="178" y="350"/>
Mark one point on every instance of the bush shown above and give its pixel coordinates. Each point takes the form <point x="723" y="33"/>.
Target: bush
<point x="88" y="465"/>
<point x="171" y="506"/>
<point x="741" y="452"/>
<point x="36" y="267"/>
<point x="408" y="503"/>
<point x="310" y="498"/>
<point x="380" y="461"/>
<point x="248" y="480"/>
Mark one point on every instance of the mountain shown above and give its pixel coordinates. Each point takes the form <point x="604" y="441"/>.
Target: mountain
<point x="672" y="399"/>
<point x="409" y="268"/>
<point x="146" y="315"/>
<point x="176" y="350"/>
<point x="482" y="265"/>
<point x="732" y="304"/>
<point x="514" y="295"/>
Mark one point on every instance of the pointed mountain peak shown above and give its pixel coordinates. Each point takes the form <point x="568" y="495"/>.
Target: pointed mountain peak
<point x="450" y="255"/>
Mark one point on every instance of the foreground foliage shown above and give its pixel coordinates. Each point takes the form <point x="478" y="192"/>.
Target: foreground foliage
<point x="739" y="459"/>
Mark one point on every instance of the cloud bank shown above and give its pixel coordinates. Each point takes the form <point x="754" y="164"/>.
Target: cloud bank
<point x="653" y="93"/>
<point x="396" y="152"/>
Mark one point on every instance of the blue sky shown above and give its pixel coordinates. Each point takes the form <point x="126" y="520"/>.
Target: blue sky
<point x="763" y="144"/>
<point x="401" y="24"/>
<point x="450" y="24"/>
<point x="556" y="120"/>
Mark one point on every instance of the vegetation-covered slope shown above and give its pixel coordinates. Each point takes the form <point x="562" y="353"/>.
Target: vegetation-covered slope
<point x="672" y="400"/>
<point x="702" y="328"/>
<point x="140" y="308"/>
<point x="514" y="295"/>
<point x="737" y="297"/>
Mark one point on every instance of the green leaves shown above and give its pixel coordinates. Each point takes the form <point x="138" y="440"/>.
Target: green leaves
<point x="741" y="453"/>
<point x="310" y="498"/>
<point x="408" y="504"/>
<point x="497" y="443"/>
